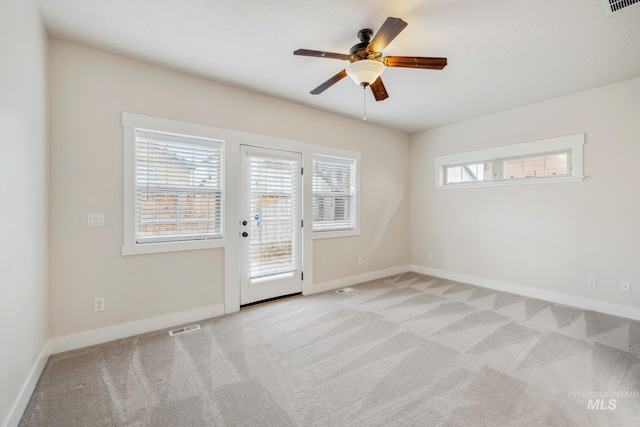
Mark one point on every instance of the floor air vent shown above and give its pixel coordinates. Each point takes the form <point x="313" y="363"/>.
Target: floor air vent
<point x="184" y="330"/>
<point x="344" y="290"/>
<point x="611" y="6"/>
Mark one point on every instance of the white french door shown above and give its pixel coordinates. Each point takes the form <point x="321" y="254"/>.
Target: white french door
<point x="270" y="223"/>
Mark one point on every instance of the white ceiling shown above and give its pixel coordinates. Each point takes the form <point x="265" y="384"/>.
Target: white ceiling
<point x="502" y="53"/>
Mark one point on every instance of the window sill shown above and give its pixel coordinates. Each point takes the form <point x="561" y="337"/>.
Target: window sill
<point x="527" y="181"/>
<point x="154" y="248"/>
<point x="335" y="234"/>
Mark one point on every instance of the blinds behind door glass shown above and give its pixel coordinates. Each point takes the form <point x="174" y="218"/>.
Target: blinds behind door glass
<point x="178" y="188"/>
<point x="273" y="218"/>
<point x="334" y="182"/>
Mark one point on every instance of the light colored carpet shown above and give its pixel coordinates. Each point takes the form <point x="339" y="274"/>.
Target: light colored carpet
<point x="408" y="350"/>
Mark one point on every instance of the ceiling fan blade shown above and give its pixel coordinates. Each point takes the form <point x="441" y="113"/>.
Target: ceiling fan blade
<point x="320" y="54"/>
<point x="415" y="62"/>
<point x="326" y="85"/>
<point x="378" y="89"/>
<point x="389" y="30"/>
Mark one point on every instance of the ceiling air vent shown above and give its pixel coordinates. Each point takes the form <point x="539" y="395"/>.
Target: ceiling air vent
<point x="611" y="6"/>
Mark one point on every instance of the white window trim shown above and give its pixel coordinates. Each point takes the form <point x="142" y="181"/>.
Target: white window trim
<point x="574" y="143"/>
<point x="131" y="122"/>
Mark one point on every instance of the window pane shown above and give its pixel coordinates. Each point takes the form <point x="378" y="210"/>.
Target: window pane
<point x="273" y="191"/>
<point x="534" y="166"/>
<point x="556" y="164"/>
<point x="178" y="188"/>
<point x="472" y="172"/>
<point x="454" y="174"/>
<point x="333" y="193"/>
<point x="513" y="168"/>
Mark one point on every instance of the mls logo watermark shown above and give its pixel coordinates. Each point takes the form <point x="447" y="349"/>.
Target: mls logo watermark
<point x="600" y="404"/>
<point x="603" y="400"/>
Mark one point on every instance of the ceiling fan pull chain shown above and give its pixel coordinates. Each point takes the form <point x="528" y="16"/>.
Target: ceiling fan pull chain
<point x="364" y="102"/>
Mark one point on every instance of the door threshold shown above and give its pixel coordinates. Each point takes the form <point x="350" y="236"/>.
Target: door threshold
<point x="269" y="301"/>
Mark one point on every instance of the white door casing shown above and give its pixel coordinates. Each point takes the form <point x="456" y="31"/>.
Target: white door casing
<point x="270" y="223"/>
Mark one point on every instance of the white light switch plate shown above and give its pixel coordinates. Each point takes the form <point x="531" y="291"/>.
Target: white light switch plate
<point x="95" y="220"/>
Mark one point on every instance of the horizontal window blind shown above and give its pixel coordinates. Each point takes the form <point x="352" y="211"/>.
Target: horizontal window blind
<point x="273" y="189"/>
<point x="178" y="188"/>
<point x="334" y="184"/>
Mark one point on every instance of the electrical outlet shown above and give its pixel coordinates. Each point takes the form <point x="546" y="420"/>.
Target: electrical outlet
<point x="592" y="280"/>
<point x="429" y="256"/>
<point x="625" y="286"/>
<point x="98" y="304"/>
<point x="360" y="261"/>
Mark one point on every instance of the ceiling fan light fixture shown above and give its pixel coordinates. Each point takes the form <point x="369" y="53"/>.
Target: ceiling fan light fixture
<point x="365" y="71"/>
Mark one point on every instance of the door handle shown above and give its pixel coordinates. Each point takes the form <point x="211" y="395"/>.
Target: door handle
<point x="245" y="234"/>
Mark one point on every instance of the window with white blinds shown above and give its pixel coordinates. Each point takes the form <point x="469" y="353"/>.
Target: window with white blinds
<point x="178" y="188"/>
<point x="274" y="216"/>
<point x="334" y="193"/>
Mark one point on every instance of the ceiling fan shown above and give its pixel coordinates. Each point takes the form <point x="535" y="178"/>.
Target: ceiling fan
<point x="366" y="62"/>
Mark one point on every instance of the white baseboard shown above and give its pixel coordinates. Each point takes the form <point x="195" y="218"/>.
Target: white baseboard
<point x="15" y="414"/>
<point x="543" y="294"/>
<point x="124" y="330"/>
<point x="354" y="280"/>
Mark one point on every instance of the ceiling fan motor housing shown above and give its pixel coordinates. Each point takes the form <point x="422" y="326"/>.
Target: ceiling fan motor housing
<point x="359" y="51"/>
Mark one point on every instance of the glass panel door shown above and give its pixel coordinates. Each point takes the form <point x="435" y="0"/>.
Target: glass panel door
<point x="271" y="225"/>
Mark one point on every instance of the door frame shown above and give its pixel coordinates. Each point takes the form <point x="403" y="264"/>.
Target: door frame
<point x="233" y="247"/>
<point x="270" y="289"/>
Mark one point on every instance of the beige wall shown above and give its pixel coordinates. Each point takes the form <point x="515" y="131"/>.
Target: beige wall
<point x="90" y="90"/>
<point x="24" y="306"/>
<point x="548" y="236"/>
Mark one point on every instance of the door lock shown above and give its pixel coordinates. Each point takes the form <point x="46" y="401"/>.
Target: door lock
<point x="244" y="222"/>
